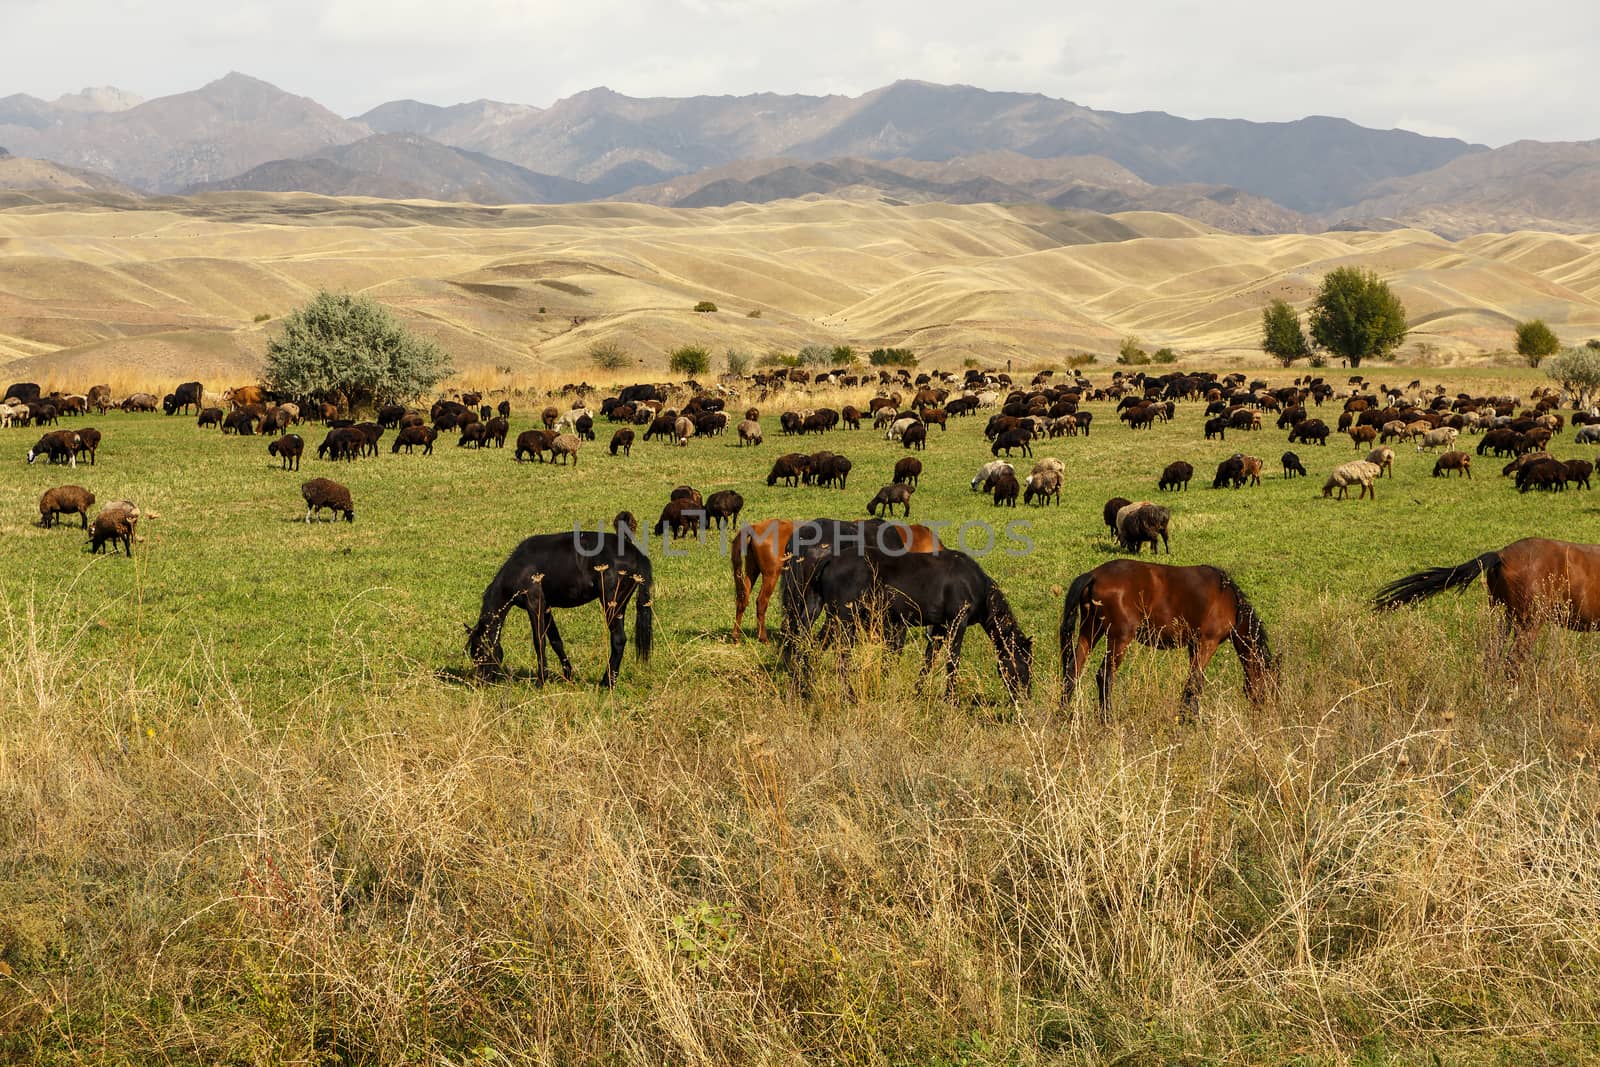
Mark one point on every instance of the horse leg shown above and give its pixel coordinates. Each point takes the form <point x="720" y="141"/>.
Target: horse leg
<point x="549" y="623"/>
<point x="537" y="613"/>
<point x="1116" y="648"/>
<point x="1088" y="636"/>
<point x="619" y="643"/>
<point x="1200" y="653"/>
<point x="769" y="582"/>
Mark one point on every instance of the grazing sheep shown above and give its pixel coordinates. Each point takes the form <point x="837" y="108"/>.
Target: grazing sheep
<point x="1444" y="436"/>
<point x="1383" y="456"/>
<point x="498" y="427"/>
<point x="982" y="479"/>
<point x="683" y="515"/>
<point x="1142" y="521"/>
<point x="475" y="434"/>
<point x="1578" y="471"/>
<point x="57" y="446"/>
<point x="1109" y="514"/>
<point x="566" y="447"/>
<point x="1230" y="472"/>
<point x="239" y="422"/>
<point x="1363" y="437"/>
<point x="88" y="441"/>
<point x="749" y="433"/>
<point x="622" y="441"/>
<point x="139" y="402"/>
<point x="65" y="500"/>
<point x="535" y="443"/>
<point x="209" y="417"/>
<point x="1050" y="463"/>
<point x="908" y="471"/>
<point x="115" y="522"/>
<point x="325" y="493"/>
<point x="828" y="469"/>
<point x="724" y="506"/>
<point x="1043" y="484"/>
<point x="342" y="442"/>
<point x="1005" y="489"/>
<point x="1358" y="472"/>
<point x="1176" y="476"/>
<point x="915" y="436"/>
<point x="289" y="448"/>
<point x="1292" y="467"/>
<point x="888" y="497"/>
<point x="1009" y="439"/>
<point x="409" y="437"/>
<point x="549" y="416"/>
<point x="1453" y="461"/>
<point x="791" y="467"/>
<point x="1587" y="435"/>
<point x="682" y="430"/>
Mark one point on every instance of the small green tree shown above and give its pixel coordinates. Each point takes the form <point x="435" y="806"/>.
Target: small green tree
<point x="1535" y="341"/>
<point x="705" y="306"/>
<point x="1282" y="337"/>
<point x="690" y="360"/>
<point x="892" y="357"/>
<point x="841" y="356"/>
<point x="1356" y="315"/>
<point x="814" y="356"/>
<point x="736" y="361"/>
<point x="1578" y="371"/>
<point x="1164" y="355"/>
<point x="608" y="355"/>
<point x="350" y="347"/>
<point x="1129" y="354"/>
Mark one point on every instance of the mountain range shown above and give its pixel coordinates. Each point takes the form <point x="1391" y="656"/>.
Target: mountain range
<point x="906" y="142"/>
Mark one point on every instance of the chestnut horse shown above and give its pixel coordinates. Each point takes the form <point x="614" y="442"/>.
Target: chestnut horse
<point x="760" y="548"/>
<point x="1533" y="580"/>
<point x="1163" y="606"/>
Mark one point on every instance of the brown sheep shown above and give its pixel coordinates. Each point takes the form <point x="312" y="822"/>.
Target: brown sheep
<point x="749" y="433"/>
<point x="1109" y="514"/>
<point x="724" y="506"/>
<point x="1453" y="461"/>
<point x="325" y="493"/>
<point x="888" y="497"/>
<point x="1006" y="489"/>
<point x="289" y="448"/>
<point x="535" y="443"/>
<point x="88" y="441"/>
<point x="1140" y="522"/>
<point x="65" y="500"/>
<point x="1176" y="476"/>
<point x="409" y="437"/>
<point x="565" y="446"/>
<point x="115" y="522"/>
<point x="622" y="441"/>
<point x="1043" y="484"/>
<point x="1363" y="437"/>
<point x="549" y="416"/>
<point x="683" y="516"/>
<point x="908" y="471"/>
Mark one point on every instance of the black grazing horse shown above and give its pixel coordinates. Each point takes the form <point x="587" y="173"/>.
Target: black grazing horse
<point x="566" y="570"/>
<point x="944" y="591"/>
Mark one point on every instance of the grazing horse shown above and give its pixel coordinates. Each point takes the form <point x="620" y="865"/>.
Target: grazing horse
<point x="1533" y="580"/>
<point x="760" y="549"/>
<point x="1164" y="607"/>
<point x="566" y="570"/>
<point x="944" y="592"/>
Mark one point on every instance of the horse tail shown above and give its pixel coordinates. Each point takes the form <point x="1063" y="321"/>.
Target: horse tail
<point x="1081" y="589"/>
<point x="644" y="612"/>
<point x="1424" y="584"/>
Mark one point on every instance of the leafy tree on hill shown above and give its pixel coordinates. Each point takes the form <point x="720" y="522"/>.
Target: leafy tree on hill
<point x="1535" y="341"/>
<point x="1578" y="371"/>
<point x="350" y="347"/>
<point x="892" y="357"/>
<point x="1282" y="337"/>
<point x="1356" y="315"/>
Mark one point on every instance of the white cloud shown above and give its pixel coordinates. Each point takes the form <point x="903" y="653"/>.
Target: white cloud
<point x="1430" y="65"/>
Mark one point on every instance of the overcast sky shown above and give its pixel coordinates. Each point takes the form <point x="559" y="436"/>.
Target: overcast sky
<point x="1449" y="67"/>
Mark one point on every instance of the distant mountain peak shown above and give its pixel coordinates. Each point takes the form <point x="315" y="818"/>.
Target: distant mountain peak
<point x="98" y="98"/>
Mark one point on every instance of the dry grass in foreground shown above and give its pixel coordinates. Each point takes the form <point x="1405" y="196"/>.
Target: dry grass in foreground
<point x="442" y="874"/>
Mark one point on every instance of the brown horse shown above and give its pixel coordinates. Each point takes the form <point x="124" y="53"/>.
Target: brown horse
<point x="1534" y="580"/>
<point x="1164" y="607"/>
<point x="759" y="551"/>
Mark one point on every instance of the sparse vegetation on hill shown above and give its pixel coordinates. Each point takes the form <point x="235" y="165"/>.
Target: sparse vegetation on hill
<point x="892" y="357"/>
<point x="608" y="355"/>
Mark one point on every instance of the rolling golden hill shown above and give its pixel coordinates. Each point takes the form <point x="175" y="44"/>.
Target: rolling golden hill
<point x="173" y="287"/>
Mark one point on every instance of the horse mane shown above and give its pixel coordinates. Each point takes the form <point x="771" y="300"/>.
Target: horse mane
<point x="1246" y="623"/>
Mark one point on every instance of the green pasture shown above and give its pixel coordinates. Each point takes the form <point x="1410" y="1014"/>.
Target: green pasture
<point x="228" y="586"/>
